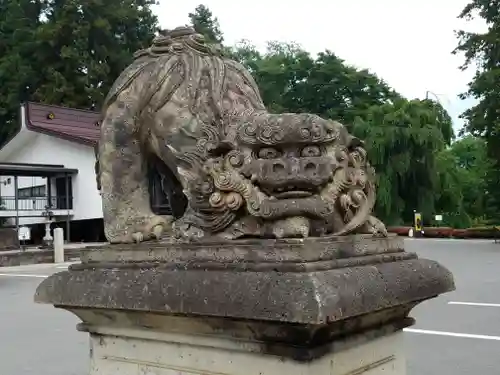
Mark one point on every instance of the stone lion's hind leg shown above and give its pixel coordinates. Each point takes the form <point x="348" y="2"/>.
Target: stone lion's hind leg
<point x="124" y="181"/>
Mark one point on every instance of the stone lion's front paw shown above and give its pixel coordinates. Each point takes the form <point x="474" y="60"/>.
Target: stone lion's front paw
<point x="374" y="227"/>
<point x="153" y="229"/>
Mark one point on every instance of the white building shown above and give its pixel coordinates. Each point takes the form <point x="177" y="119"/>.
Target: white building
<point x="48" y="168"/>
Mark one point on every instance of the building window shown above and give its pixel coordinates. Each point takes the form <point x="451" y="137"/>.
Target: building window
<point x="32" y="192"/>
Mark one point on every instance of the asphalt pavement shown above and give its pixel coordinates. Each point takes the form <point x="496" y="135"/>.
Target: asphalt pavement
<point x="37" y="339"/>
<point x="462" y="328"/>
<point x="456" y="334"/>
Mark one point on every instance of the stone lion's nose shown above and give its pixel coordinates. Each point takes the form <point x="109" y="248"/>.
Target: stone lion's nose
<point x="278" y="167"/>
<point x="285" y="168"/>
<point x="292" y="167"/>
<point x="303" y="172"/>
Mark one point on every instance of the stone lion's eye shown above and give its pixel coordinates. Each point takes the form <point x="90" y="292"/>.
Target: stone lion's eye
<point x="268" y="153"/>
<point x="310" y="151"/>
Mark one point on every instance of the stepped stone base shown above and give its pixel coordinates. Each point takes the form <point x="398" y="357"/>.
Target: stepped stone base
<point x="334" y="305"/>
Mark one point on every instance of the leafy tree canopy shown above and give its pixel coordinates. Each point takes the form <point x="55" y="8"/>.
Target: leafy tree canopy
<point x="203" y="21"/>
<point x="473" y="164"/>
<point x="464" y="168"/>
<point x="292" y="80"/>
<point x="403" y="138"/>
<point x="482" y="51"/>
<point x="18" y="72"/>
<point x="86" y="44"/>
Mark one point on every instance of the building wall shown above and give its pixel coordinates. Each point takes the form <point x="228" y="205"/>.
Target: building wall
<point x="44" y="149"/>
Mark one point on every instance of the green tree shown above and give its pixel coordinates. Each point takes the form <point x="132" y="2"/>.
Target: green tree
<point x="464" y="169"/>
<point x="18" y="70"/>
<point x="449" y="191"/>
<point x="403" y="138"/>
<point x="84" y="46"/>
<point x="482" y="50"/>
<point x="203" y="21"/>
<point x="291" y="80"/>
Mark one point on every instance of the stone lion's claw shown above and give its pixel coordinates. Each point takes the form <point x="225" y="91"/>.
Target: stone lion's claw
<point x="157" y="231"/>
<point x="138" y="237"/>
<point x="152" y="229"/>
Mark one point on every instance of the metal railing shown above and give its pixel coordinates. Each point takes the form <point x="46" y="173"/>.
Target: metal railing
<point x="36" y="203"/>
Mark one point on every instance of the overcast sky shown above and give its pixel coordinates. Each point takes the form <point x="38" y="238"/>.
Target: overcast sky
<point x="408" y="43"/>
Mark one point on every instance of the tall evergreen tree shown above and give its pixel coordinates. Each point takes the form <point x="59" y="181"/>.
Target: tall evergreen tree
<point x="204" y="22"/>
<point x="19" y="72"/>
<point x="482" y="50"/>
<point x="85" y="45"/>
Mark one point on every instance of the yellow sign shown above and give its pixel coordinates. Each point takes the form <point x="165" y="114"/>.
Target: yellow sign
<point x="418" y="221"/>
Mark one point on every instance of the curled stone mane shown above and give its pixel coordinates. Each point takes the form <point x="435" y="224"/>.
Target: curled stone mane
<point x="179" y="51"/>
<point x="176" y="41"/>
<point x="184" y="51"/>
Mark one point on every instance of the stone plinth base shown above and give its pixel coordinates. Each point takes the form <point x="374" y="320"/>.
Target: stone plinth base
<point x="333" y="305"/>
<point x="183" y="347"/>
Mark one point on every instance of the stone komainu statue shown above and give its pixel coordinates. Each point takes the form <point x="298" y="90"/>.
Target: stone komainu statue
<point x="196" y="118"/>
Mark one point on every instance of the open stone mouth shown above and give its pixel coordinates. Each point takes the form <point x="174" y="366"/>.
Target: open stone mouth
<point x="287" y="192"/>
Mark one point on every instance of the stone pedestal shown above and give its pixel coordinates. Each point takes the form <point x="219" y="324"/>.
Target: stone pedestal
<point x="190" y="346"/>
<point x="333" y="305"/>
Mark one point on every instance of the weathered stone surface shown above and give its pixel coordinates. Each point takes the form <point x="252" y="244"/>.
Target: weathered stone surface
<point x="230" y="168"/>
<point x="308" y="298"/>
<point x="120" y="344"/>
<point x="12" y="258"/>
<point x="285" y="255"/>
<point x="255" y="280"/>
<point x="121" y="339"/>
<point x="300" y="342"/>
<point x="302" y="300"/>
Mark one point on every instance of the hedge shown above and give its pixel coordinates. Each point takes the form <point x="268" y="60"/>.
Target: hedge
<point x="448" y="232"/>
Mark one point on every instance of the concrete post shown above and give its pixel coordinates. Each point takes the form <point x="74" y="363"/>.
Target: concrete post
<point x="58" y="245"/>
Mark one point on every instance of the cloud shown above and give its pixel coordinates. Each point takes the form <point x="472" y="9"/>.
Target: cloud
<point x="407" y="43"/>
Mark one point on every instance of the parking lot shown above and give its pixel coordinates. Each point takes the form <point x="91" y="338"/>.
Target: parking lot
<point x="457" y="333"/>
